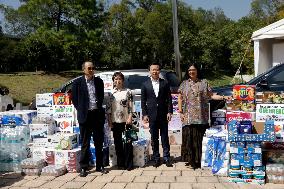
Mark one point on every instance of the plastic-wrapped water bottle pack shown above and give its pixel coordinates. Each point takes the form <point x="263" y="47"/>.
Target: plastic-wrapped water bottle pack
<point x="31" y="163"/>
<point x="54" y="170"/>
<point x="13" y="147"/>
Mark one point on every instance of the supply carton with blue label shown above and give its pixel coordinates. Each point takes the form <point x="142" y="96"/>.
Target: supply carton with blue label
<point x="261" y="132"/>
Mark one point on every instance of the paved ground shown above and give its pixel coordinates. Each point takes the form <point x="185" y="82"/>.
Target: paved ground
<point x="177" y="177"/>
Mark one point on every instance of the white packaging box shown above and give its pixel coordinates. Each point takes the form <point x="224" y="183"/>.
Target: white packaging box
<point x="112" y="155"/>
<point x="26" y="115"/>
<point x="175" y="123"/>
<point x="279" y="137"/>
<point x="44" y="100"/>
<point x="219" y="113"/>
<point x="137" y="106"/>
<point x="269" y="112"/>
<point x="140" y="155"/>
<point x="63" y="141"/>
<point x="41" y="130"/>
<point x="205" y="142"/>
<point x="73" y="168"/>
<point x="43" y="112"/>
<point x="226" y="156"/>
<point x="63" y="112"/>
<point x="73" y="165"/>
<point x="205" y="165"/>
<point x="70" y="158"/>
<point x="145" y="133"/>
<point x="64" y="125"/>
<point x="38" y="153"/>
<point x="40" y="143"/>
<point x="50" y="156"/>
<point x="219" y="127"/>
<point x="175" y="137"/>
<point x="60" y="157"/>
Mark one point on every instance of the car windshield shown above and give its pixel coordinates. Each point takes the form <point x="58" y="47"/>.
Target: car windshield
<point x="255" y="80"/>
<point x="134" y="81"/>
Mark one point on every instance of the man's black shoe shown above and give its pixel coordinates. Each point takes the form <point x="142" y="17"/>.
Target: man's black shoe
<point x="102" y="170"/>
<point x="157" y="163"/>
<point x="83" y="173"/>
<point x="168" y="163"/>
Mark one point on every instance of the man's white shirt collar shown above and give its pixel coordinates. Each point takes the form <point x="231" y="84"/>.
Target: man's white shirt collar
<point x="87" y="78"/>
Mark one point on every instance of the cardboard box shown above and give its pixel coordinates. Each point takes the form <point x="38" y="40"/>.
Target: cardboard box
<point x="273" y="156"/>
<point x="244" y="92"/>
<point x="240" y="116"/>
<point x="175" y="103"/>
<point x="63" y="112"/>
<point x="50" y="156"/>
<point x="218" y="121"/>
<point x="273" y="112"/>
<point x="38" y="153"/>
<point x="175" y="123"/>
<point x="64" y="125"/>
<point x="44" y="100"/>
<point x="17" y="117"/>
<point x="175" y="137"/>
<point x="40" y="143"/>
<point x="45" y="112"/>
<point x="266" y="146"/>
<point x="62" y="99"/>
<point x="270" y="97"/>
<point x="41" y="130"/>
<point x="241" y="105"/>
<point x="70" y="158"/>
<point x="267" y="134"/>
<point x="220" y="113"/>
<point x="140" y="155"/>
<point x="63" y="141"/>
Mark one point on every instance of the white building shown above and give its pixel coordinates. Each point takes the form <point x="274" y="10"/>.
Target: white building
<point x="268" y="46"/>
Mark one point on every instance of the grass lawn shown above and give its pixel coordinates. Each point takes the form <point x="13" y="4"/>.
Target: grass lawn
<point x="23" y="86"/>
<point x="220" y="81"/>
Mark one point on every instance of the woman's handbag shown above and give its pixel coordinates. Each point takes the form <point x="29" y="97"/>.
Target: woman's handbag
<point x="130" y="133"/>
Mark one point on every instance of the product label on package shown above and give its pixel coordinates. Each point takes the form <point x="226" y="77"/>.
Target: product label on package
<point x="244" y="92"/>
<point x="269" y="112"/>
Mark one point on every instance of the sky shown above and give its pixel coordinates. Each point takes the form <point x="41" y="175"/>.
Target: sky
<point x="234" y="9"/>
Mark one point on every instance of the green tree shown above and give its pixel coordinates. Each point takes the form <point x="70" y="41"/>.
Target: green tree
<point x="58" y="34"/>
<point x="267" y="10"/>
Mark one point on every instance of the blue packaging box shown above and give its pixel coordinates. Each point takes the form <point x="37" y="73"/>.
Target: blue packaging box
<point x="268" y="133"/>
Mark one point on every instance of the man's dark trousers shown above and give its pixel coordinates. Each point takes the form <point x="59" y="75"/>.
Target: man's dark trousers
<point x="155" y="127"/>
<point x="94" y="126"/>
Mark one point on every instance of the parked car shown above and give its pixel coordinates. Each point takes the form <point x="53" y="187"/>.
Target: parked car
<point x="133" y="80"/>
<point x="271" y="80"/>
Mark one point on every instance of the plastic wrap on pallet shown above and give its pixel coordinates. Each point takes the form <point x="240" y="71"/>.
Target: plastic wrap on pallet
<point x="54" y="170"/>
<point x="31" y="163"/>
<point x="32" y="172"/>
<point x="17" y="117"/>
<point x="13" y="147"/>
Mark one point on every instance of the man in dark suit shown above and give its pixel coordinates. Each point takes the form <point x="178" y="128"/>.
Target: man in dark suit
<point x="157" y="109"/>
<point x="87" y="97"/>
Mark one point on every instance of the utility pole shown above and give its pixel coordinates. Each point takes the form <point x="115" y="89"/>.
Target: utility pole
<point x="176" y="39"/>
